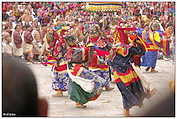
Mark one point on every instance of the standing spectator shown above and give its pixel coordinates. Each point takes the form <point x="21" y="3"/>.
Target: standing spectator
<point x="37" y="42"/>
<point x="28" y="46"/>
<point x="17" y="40"/>
<point x="6" y="43"/>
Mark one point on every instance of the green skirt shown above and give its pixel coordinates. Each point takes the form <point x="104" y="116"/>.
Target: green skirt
<point x="77" y="94"/>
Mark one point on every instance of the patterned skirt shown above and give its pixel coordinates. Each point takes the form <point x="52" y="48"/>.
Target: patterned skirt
<point x="60" y="81"/>
<point x="130" y="86"/>
<point x="104" y="75"/>
<point x="77" y="87"/>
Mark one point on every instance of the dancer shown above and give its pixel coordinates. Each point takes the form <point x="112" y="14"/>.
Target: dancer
<point x="97" y="61"/>
<point x="84" y="84"/>
<point x="61" y="78"/>
<point x="128" y="82"/>
<point x="57" y="49"/>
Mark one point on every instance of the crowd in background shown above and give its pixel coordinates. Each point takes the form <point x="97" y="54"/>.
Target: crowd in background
<point x="39" y="18"/>
<point x="49" y="32"/>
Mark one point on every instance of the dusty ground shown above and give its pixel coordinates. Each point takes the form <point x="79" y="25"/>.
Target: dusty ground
<point x="109" y="104"/>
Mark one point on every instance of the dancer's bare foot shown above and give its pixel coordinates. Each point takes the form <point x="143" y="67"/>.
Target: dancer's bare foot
<point x="108" y="88"/>
<point x="78" y="105"/>
<point x="151" y="92"/>
<point x="58" y="94"/>
<point x="153" y="71"/>
<point x="126" y="112"/>
<point x="140" y="105"/>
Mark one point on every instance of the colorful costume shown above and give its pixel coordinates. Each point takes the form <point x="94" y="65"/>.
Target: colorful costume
<point x="152" y="42"/>
<point x="94" y="35"/>
<point x="99" y="50"/>
<point x="98" y="66"/>
<point x="84" y="85"/>
<point x="166" y="42"/>
<point x="57" y="48"/>
<point x="127" y="80"/>
<point x="61" y="78"/>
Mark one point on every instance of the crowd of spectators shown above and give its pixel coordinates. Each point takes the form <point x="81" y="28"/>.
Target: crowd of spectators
<point x="42" y="16"/>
